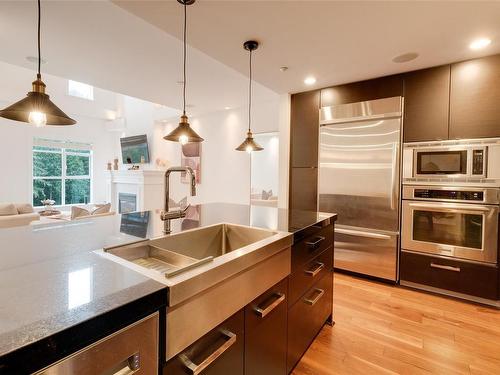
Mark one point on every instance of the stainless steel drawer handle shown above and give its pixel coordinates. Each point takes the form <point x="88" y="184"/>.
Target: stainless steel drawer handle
<point x="263" y="312"/>
<point x="315" y="271"/>
<point x="197" y="369"/>
<point x="314" y="244"/>
<point x="448" y="268"/>
<point x="312" y="302"/>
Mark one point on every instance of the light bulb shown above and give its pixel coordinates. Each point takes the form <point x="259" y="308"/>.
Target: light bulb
<point x="249" y="149"/>
<point x="183" y="139"/>
<point x="39" y="119"/>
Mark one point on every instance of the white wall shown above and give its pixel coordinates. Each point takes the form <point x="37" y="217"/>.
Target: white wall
<point x="16" y="138"/>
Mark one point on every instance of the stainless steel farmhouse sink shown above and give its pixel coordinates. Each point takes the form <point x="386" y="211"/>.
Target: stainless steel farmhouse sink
<point x="211" y="272"/>
<point x="174" y="254"/>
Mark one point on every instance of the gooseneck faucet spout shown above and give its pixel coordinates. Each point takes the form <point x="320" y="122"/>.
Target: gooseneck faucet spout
<point x="167" y="214"/>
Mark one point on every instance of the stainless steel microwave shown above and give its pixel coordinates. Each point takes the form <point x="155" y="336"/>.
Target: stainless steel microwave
<point x="472" y="160"/>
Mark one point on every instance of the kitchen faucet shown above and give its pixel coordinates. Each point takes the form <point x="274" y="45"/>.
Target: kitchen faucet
<point x="166" y="214"/>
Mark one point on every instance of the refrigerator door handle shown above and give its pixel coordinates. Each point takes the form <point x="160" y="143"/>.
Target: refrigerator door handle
<point x="394" y="177"/>
<point x="358" y="233"/>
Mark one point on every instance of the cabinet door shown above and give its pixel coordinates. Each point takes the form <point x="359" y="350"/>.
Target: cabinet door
<point x="304" y="188"/>
<point x="218" y="352"/>
<point x="304" y="129"/>
<point x="475" y="98"/>
<point x="427" y="99"/>
<point x="378" y="88"/>
<point x="265" y="332"/>
<point x="306" y="318"/>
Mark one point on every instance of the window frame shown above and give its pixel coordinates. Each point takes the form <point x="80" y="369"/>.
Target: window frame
<point x="63" y="151"/>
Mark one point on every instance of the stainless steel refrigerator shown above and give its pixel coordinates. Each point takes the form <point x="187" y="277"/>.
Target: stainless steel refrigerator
<point x="359" y="178"/>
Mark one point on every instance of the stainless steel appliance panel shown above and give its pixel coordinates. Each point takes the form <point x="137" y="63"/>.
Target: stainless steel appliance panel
<point x="366" y="251"/>
<point x="461" y="230"/>
<point x="359" y="179"/>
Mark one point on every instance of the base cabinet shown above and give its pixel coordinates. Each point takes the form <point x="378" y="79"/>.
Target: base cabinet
<point x="220" y="351"/>
<point x="265" y="332"/>
<point x="307" y="317"/>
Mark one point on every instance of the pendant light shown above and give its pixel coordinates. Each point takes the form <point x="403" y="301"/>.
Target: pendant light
<point x="184" y="133"/>
<point x="37" y="109"/>
<point x="249" y="144"/>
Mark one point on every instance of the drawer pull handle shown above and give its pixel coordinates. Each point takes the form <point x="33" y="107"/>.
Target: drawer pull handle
<point x="263" y="312"/>
<point x="315" y="244"/>
<point x="315" y="271"/>
<point x="197" y="369"/>
<point x="312" y="302"/>
<point x="448" y="268"/>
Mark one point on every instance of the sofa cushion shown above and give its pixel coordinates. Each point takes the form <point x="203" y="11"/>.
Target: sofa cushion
<point x="24" y="208"/>
<point x="8" y="209"/>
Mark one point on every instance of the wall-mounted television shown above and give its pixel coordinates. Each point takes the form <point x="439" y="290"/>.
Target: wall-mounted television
<point x="135" y="149"/>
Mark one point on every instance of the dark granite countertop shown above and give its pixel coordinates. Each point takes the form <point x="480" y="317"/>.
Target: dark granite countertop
<point x="50" y="280"/>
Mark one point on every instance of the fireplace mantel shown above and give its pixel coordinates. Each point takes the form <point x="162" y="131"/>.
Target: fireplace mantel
<point x="147" y="185"/>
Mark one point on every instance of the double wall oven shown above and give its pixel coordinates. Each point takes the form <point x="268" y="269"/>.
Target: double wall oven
<point x="451" y="194"/>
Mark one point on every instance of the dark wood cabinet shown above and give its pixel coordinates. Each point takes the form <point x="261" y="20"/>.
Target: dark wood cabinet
<point x="427" y="97"/>
<point x="265" y="332"/>
<point x="303" y="188"/>
<point x="304" y="124"/>
<point x="220" y="351"/>
<point x="307" y="316"/>
<point x="378" y="88"/>
<point x="308" y="248"/>
<point x="450" y="274"/>
<point x="475" y="98"/>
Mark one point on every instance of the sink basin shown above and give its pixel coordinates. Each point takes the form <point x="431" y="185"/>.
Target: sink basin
<point x="174" y="254"/>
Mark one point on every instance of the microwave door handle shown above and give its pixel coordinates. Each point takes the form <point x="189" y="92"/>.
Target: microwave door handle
<point x="463" y="207"/>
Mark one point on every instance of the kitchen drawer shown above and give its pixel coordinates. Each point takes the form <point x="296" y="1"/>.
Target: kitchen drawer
<point x="318" y="240"/>
<point x="220" y="351"/>
<point x="306" y="318"/>
<point x="450" y="274"/>
<point x="265" y="332"/>
<point x="308" y="274"/>
<point x="133" y="349"/>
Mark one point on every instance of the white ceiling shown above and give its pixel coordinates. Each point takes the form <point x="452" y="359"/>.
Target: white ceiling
<point x="336" y="41"/>
<point x="133" y="47"/>
<point x="98" y="43"/>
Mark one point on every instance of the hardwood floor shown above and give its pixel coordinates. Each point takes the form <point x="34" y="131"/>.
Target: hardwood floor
<point x="383" y="329"/>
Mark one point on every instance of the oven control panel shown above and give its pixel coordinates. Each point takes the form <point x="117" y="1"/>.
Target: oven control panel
<point x="459" y="195"/>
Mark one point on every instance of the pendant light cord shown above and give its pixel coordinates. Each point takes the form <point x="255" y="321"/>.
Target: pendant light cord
<point x="250" y="94"/>
<point x="185" y="32"/>
<point x="39" y="52"/>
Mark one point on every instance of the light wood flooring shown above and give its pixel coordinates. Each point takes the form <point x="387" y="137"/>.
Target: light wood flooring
<point x="383" y="329"/>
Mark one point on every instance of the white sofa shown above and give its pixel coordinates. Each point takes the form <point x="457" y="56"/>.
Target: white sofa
<point x="17" y="214"/>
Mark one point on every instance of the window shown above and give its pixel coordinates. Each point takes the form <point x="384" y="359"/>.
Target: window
<point x="62" y="172"/>
<point x="80" y="90"/>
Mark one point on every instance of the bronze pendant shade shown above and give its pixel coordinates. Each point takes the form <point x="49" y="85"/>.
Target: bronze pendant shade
<point x="249" y="145"/>
<point x="183" y="133"/>
<point x="37" y="108"/>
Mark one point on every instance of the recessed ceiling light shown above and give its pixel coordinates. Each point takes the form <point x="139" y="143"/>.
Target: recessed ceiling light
<point x="283" y="68"/>
<point x="226" y="108"/>
<point x="310" y="81"/>
<point x="405" y="57"/>
<point x="480" y="43"/>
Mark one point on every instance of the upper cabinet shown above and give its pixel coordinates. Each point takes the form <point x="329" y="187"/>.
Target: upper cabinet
<point x="475" y="98"/>
<point x="304" y="123"/>
<point x="384" y="87"/>
<point x="427" y="97"/>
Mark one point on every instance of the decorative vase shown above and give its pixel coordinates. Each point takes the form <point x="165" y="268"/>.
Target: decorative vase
<point x="115" y="165"/>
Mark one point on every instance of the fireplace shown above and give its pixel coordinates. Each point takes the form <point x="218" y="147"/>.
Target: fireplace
<point x="127" y="203"/>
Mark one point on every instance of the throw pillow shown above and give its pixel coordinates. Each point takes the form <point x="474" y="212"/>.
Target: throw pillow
<point x="7" y="209"/>
<point x="101" y="209"/>
<point x="78" y="212"/>
<point x="24" y="208"/>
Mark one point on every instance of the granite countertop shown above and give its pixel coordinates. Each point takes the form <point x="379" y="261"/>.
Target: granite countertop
<point x="51" y="280"/>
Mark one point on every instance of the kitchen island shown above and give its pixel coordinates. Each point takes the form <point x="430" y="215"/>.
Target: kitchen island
<point x="58" y="295"/>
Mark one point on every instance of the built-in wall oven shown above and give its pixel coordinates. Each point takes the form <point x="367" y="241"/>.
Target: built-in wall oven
<point x="460" y="222"/>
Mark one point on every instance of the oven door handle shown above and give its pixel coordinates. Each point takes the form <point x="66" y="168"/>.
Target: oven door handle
<point x="452" y="208"/>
